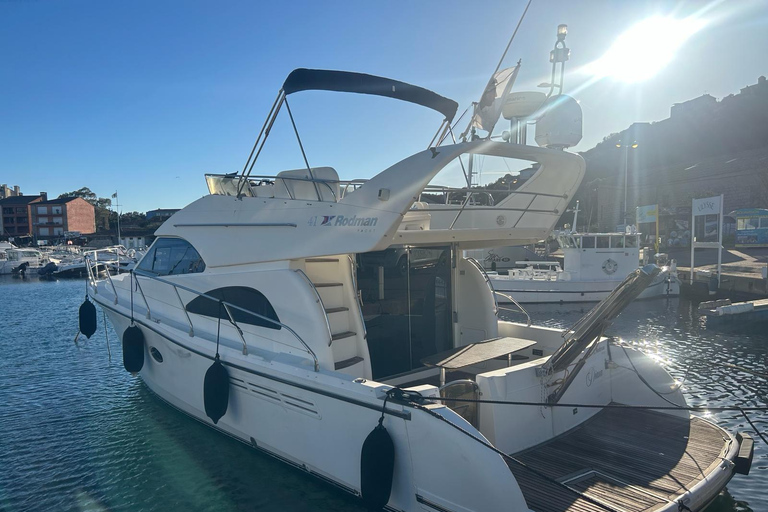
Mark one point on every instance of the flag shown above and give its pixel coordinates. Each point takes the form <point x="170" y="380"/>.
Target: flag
<point x="488" y="109"/>
<point x="114" y="196"/>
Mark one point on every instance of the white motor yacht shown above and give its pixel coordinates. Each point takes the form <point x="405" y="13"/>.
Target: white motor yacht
<point x="22" y="260"/>
<point x="593" y="265"/>
<point x="249" y="313"/>
<point x="114" y="259"/>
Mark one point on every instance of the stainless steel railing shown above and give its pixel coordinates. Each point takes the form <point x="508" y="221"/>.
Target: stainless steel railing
<point x="520" y="308"/>
<point x="231" y="185"/>
<point x="319" y="301"/>
<point x="489" y="283"/>
<point x="227" y="306"/>
<point x="353" y="269"/>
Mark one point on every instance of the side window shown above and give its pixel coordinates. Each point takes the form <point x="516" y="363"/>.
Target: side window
<point x="587" y="242"/>
<point x="172" y="256"/>
<point x="602" y="242"/>
<point x="242" y="297"/>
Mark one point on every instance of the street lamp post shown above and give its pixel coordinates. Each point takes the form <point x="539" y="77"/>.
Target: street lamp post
<point x="626" y="147"/>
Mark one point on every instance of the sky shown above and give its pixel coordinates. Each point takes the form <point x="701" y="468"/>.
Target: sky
<point x="145" y="97"/>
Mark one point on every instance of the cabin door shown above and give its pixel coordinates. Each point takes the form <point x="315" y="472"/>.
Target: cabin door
<point x="406" y="294"/>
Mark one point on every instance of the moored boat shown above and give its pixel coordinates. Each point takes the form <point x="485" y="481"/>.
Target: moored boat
<point x="593" y="265"/>
<point x="250" y="313"/>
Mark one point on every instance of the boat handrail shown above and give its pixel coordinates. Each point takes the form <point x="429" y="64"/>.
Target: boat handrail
<point x="520" y="308"/>
<point x="352" y="269"/>
<point x="319" y="301"/>
<point x="95" y="253"/>
<point x="444" y="189"/>
<point x="488" y="283"/>
<point x="316" y="181"/>
<point x="227" y="306"/>
<point x="448" y="188"/>
<point x="469" y="192"/>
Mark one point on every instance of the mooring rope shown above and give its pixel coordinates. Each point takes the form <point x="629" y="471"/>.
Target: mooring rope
<point x="413" y="398"/>
<point x="131" y="294"/>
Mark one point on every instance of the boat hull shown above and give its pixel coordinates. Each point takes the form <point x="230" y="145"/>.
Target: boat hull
<point x="535" y="291"/>
<point x="313" y="422"/>
<point x="318" y="421"/>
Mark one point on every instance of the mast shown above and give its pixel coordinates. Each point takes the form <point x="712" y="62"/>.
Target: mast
<point x="574" y="229"/>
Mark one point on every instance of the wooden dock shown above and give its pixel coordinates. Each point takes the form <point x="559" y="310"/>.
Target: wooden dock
<point x="722" y="314"/>
<point x="631" y="460"/>
<point x="733" y="285"/>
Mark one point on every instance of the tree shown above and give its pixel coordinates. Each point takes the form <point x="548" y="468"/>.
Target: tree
<point x="84" y="193"/>
<point x="133" y="219"/>
<point x="101" y="205"/>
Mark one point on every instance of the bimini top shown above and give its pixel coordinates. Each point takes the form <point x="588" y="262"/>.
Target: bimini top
<point x="345" y="81"/>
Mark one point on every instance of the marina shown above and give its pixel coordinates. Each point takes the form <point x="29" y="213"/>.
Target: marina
<point x="385" y="307"/>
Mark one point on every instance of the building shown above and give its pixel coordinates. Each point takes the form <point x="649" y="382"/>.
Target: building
<point x="704" y="148"/>
<point x="67" y="214"/>
<point x="160" y="214"/>
<point x="136" y="240"/>
<point x="6" y="191"/>
<point x="16" y="218"/>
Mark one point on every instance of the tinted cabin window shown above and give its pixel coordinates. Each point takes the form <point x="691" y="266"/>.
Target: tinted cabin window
<point x="602" y="242"/>
<point x="588" y="242"/>
<point x="240" y="296"/>
<point x="172" y="256"/>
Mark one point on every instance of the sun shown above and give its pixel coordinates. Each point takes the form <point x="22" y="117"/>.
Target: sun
<point x="645" y="48"/>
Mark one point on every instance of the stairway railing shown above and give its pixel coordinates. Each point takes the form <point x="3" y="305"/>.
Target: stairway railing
<point x="319" y="300"/>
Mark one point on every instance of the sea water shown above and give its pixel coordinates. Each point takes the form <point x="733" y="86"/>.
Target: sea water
<point x="79" y="433"/>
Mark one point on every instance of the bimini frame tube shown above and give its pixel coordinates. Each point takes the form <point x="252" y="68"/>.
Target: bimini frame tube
<point x="265" y="129"/>
<point x="344" y="81"/>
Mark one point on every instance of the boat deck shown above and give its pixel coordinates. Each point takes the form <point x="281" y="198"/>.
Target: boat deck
<point x="630" y="460"/>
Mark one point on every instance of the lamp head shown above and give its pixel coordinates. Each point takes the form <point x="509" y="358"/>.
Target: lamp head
<point x="562" y="31"/>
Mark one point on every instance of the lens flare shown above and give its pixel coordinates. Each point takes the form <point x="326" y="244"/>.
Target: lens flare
<point x="645" y="48"/>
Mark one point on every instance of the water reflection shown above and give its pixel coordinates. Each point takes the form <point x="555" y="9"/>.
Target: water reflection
<point x="718" y="370"/>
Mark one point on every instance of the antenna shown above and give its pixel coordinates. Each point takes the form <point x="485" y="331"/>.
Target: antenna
<point x="117" y="209"/>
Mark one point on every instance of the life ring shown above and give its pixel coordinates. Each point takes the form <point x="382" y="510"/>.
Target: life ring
<point x="610" y="266"/>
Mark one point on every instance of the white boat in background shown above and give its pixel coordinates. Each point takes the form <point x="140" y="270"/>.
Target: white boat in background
<point x="114" y="259"/>
<point x="4" y="246"/>
<point x="246" y="314"/>
<point x="593" y="265"/>
<point x="22" y="260"/>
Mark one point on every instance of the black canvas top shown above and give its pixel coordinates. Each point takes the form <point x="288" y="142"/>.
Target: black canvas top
<point x="345" y="81"/>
